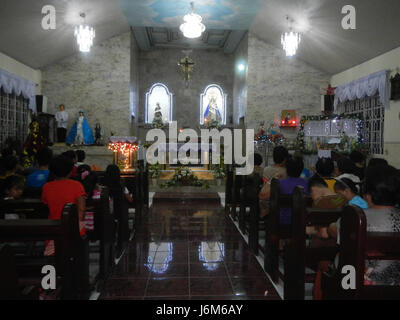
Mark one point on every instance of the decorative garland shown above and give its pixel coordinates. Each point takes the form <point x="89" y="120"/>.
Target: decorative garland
<point x="360" y="145"/>
<point x="184" y="176"/>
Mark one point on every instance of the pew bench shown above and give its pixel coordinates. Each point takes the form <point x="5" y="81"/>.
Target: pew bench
<point x="357" y="245"/>
<point x="71" y="251"/>
<point x="298" y="255"/>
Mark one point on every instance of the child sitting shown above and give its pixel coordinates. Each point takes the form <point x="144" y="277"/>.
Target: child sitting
<point x="56" y="194"/>
<point x="88" y="178"/>
<point x="39" y="177"/>
<point x="325" y="168"/>
<point x="348" y="189"/>
<point x="14" y="188"/>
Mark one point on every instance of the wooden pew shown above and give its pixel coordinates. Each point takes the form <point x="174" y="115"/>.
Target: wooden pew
<point x="356" y="246"/>
<point x="104" y="231"/>
<point x="274" y="230"/>
<point x="33" y="208"/>
<point x="249" y="222"/>
<point x="237" y="185"/>
<point x="229" y="189"/>
<point x="10" y="288"/>
<point x="297" y="255"/>
<point x="71" y="250"/>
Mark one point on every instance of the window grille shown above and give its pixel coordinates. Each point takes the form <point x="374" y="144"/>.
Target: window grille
<point x="372" y="112"/>
<point x="13" y="117"/>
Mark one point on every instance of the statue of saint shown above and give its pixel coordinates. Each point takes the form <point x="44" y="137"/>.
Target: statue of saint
<point x="81" y="133"/>
<point x="98" y="134"/>
<point x="62" y="122"/>
<point x="157" y="119"/>
<point x="212" y="112"/>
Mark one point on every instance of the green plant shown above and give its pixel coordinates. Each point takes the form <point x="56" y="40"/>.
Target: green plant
<point x="155" y="170"/>
<point x="184" y="176"/>
<point x="219" y="172"/>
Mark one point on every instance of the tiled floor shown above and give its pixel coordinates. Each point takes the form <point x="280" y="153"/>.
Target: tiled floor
<point x="188" y="250"/>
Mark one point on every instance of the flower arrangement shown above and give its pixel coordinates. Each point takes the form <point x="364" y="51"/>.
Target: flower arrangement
<point x="155" y="170"/>
<point x="213" y="124"/>
<point x="157" y="123"/>
<point x="219" y="172"/>
<point x="184" y="176"/>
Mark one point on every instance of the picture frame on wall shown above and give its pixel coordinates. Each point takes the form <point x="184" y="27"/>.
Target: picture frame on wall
<point x="288" y="118"/>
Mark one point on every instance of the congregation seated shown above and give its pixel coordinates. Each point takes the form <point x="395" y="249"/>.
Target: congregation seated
<point x="80" y="158"/>
<point x="294" y="168"/>
<point x="383" y="215"/>
<point x="278" y="170"/>
<point x="56" y="194"/>
<point x="325" y="168"/>
<point x="349" y="190"/>
<point x="14" y="188"/>
<point x="39" y="177"/>
<point x="346" y="169"/>
<point x="358" y="160"/>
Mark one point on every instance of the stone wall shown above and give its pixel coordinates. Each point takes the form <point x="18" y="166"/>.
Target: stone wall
<point x="240" y="81"/>
<point x="276" y="83"/>
<point x="134" y="87"/>
<point x="211" y="67"/>
<point x="97" y="82"/>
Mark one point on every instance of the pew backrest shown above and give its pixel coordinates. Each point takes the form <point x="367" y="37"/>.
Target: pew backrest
<point x="358" y="245"/>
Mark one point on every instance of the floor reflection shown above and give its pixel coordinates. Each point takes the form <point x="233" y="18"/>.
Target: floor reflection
<point x="188" y="250"/>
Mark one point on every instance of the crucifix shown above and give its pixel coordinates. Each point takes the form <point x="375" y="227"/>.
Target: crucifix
<point x="187" y="66"/>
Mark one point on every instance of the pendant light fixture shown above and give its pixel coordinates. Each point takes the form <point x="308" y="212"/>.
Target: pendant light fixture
<point x="84" y="35"/>
<point x="192" y="27"/>
<point x="290" y="40"/>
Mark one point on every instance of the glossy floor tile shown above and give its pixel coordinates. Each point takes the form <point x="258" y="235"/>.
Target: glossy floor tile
<point x="188" y="250"/>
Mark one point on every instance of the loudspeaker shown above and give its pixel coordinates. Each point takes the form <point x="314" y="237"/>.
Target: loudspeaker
<point x="41" y="104"/>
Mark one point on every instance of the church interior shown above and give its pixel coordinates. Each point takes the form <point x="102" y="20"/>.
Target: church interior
<point x="199" y="150"/>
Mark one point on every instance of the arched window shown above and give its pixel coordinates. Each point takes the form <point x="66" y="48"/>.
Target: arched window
<point x="159" y="103"/>
<point x="213" y="105"/>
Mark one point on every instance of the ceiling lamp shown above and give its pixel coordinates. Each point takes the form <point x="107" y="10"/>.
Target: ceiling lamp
<point x="84" y="36"/>
<point x="192" y="27"/>
<point x="290" y="40"/>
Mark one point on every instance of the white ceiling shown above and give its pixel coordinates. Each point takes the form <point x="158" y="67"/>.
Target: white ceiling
<point x="325" y="44"/>
<point x="22" y="37"/>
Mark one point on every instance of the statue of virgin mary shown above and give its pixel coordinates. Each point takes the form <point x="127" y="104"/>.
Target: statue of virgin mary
<point x="212" y="112"/>
<point x="81" y="133"/>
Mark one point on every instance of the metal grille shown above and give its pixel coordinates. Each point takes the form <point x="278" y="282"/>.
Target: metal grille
<point x="13" y="117"/>
<point x="371" y="110"/>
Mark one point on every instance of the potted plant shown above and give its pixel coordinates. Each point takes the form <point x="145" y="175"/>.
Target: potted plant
<point x="154" y="171"/>
<point x="219" y="173"/>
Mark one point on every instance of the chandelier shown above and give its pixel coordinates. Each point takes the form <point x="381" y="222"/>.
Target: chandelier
<point x="290" y="41"/>
<point x="192" y="27"/>
<point x="84" y="36"/>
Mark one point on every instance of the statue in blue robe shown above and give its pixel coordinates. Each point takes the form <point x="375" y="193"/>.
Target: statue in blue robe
<point x="81" y="133"/>
<point x="212" y="112"/>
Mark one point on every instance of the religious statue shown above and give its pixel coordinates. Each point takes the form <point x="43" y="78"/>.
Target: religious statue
<point x="157" y="119"/>
<point x="81" y="133"/>
<point x="212" y="113"/>
<point x="98" y="134"/>
<point x="62" y="121"/>
<point x="34" y="142"/>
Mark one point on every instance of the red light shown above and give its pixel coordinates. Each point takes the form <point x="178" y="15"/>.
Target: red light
<point x="294" y="122"/>
<point x="283" y="121"/>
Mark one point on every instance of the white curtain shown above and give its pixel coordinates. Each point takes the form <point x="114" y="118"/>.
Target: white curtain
<point x="13" y="84"/>
<point x="366" y="86"/>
